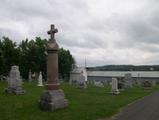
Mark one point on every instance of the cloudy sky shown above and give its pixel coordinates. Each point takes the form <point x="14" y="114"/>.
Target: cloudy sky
<point x="102" y="31"/>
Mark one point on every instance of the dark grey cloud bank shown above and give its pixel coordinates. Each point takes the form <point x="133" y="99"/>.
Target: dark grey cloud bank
<point x="103" y="32"/>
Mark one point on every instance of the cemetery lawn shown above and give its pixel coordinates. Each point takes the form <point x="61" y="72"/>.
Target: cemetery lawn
<point x="84" y="104"/>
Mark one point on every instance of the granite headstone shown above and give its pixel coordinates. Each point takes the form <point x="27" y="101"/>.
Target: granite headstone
<point x="81" y="83"/>
<point x="14" y="81"/>
<point x="128" y="81"/>
<point x="115" y="86"/>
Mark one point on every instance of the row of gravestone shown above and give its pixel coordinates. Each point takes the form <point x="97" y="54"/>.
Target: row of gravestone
<point x="15" y="82"/>
<point x="53" y="98"/>
<point x="117" y="84"/>
<point x="79" y="81"/>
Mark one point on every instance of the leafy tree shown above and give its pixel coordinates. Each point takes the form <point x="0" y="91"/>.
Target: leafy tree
<point x="66" y="61"/>
<point x="31" y="55"/>
<point x="9" y="54"/>
<point x="1" y="58"/>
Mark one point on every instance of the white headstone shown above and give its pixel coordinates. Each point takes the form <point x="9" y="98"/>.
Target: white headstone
<point x="40" y="80"/>
<point x="14" y="81"/>
<point x="128" y="80"/>
<point x="85" y="73"/>
<point x="115" y="86"/>
<point x="30" y="78"/>
<point x="81" y="83"/>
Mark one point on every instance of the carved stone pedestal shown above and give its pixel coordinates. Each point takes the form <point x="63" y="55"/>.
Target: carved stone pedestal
<point x="52" y="100"/>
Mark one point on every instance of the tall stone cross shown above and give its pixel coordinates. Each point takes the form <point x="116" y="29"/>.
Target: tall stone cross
<point x="52" y="32"/>
<point x="53" y="98"/>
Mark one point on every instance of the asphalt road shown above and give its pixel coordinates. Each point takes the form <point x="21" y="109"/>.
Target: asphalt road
<point x="144" y="109"/>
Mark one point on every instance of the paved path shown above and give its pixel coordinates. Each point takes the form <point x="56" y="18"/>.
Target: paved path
<point x="144" y="109"/>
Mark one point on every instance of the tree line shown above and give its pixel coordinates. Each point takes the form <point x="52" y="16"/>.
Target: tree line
<point x="31" y="55"/>
<point x="125" y="68"/>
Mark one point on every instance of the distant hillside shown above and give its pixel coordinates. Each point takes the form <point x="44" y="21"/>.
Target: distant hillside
<point x="125" y="68"/>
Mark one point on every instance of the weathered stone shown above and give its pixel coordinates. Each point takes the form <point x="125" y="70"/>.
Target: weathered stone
<point x="147" y="84"/>
<point x="81" y="83"/>
<point x="128" y="81"/>
<point x="52" y="100"/>
<point x="53" y="97"/>
<point x="14" y="81"/>
<point x="115" y="86"/>
<point x="40" y="80"/>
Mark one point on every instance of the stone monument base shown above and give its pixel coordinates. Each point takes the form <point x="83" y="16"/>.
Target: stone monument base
<point x="52" y="100"/>
<point x="17" y="91"/>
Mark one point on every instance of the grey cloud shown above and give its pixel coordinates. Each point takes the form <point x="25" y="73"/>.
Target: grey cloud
<point x="152" y="60"/>
<point x="51" y="9"/>
<point x="139" y="29"/>
<point x="87" y="41"/>
<point x="5" y="32"/>
<point x="154" y="49"/>
<point x="11" y="34"/>
<point x="79" y="29"/>
<point x="23" y="9"/>
<point x="143" y="32"/>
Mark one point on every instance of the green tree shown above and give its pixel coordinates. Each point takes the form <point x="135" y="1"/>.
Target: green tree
<point x="66" y="61"/>
<point x="10" y="54"/>
<point x="33" y="56"/>
<point x="1" y="58"/>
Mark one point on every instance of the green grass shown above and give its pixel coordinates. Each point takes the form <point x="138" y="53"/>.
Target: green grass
<point x="84" y="104"/>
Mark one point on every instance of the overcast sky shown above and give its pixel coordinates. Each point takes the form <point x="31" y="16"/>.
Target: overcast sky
<point x="102" y="31"/>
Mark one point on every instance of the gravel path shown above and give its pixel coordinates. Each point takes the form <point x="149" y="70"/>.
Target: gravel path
<point x="144" y="109"/>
